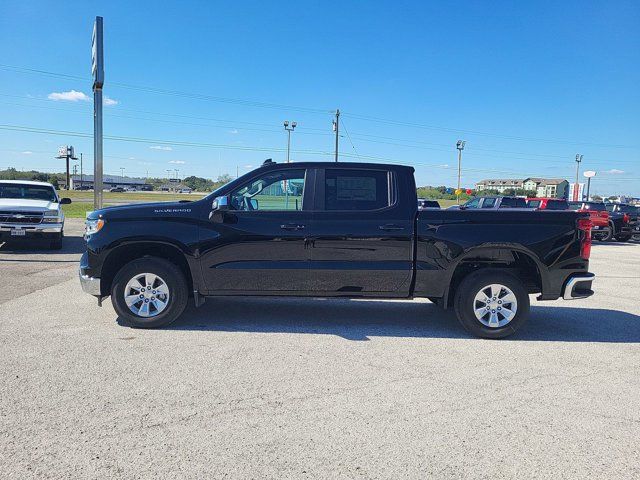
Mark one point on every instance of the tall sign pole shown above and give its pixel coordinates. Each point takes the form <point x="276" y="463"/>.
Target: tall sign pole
<point x="97" y="71"/>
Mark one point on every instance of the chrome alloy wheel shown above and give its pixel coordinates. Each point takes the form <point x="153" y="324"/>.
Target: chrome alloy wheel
<point x="495" y="305"/>
<point x="146" y="295"/>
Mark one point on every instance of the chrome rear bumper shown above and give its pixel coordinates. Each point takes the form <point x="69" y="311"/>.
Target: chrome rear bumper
<point x="578" y="286"/>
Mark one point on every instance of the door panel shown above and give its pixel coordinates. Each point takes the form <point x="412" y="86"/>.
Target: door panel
<point x="257" y="252"/>
<point x="360" y="252"/>
<point x="260" y="245"/>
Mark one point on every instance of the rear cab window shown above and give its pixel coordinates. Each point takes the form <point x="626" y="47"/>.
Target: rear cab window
<point x="557" y="205"/>
<point x="508" y="202"/>
<point x="359" y="190"/>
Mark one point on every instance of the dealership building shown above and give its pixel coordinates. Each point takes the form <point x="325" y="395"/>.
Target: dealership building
<point x="109" y="181"/>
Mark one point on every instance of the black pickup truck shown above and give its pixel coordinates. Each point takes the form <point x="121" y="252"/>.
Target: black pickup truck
<point x="333" y="230"/>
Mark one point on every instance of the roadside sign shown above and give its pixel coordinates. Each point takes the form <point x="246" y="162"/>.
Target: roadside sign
<point x="97" y="54"/>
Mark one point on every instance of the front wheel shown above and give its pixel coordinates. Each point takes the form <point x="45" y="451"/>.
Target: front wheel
<point x="149" y="292"/>
<point x="491" y="303"/>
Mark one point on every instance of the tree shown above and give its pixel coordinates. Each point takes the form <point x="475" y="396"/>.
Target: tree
<point x="224" y="178"/>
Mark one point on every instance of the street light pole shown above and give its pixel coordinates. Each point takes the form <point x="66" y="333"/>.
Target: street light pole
<point x="336" y="128"/>
<point x="577" y="185"/>
<point x="289" y="130"/>
<point x="460" y="146"/>
<point x="122" y="175"/>
<point x="81" y="173"/>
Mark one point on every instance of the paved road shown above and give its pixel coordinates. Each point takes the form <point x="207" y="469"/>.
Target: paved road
<point x="308" y="388"/>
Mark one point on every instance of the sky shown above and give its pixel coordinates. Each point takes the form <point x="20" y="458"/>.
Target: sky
<point x="203" y="87"/>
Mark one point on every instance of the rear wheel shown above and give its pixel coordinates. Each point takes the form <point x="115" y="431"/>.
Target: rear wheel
<point x="491" y="303"/>
<point x="608" y="235"/>
<point x="149" y="292"/>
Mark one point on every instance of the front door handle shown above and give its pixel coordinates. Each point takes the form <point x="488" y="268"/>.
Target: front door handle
<point x="292" y="226"/>
<point x="390" y="227"/>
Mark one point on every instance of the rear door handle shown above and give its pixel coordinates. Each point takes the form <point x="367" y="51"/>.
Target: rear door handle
<point x="390" y="227"/>
<point x="292" y="226"/>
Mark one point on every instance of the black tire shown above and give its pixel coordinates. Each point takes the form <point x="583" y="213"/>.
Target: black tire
<point x="175" y="282"/>
<point x="56" y="244"/>
<point x="607" y="237"/>
<point x="464" y="302"/>
<point x="623" y="238"/>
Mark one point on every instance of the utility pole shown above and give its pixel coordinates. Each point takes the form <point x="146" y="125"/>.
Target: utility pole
<point x="176" y="172"/>
<point x="97" y="70"/>
<point x="122" y="175"/>
<point x="81" y="173"/>
<point x="577" y="185"/>
<point x="460" y="146"/>
<point x="336" y="128"/>
<point x="289" y="130"/>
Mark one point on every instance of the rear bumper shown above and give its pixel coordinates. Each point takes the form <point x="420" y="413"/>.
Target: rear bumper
<point x="578" y="286"/>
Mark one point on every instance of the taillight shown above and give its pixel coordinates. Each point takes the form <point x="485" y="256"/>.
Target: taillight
<point x="604" y="214"/>
<point x="625" y="218"/>
<point x="584" y="224"/>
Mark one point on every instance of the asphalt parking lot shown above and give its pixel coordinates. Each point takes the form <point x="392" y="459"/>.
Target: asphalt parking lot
<point x="310" y="388"/>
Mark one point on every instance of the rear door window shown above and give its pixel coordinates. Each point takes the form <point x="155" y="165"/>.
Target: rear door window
<point x="489" y="203"/>
<point x="354" y="189"/>
<point x="557" y="205"/>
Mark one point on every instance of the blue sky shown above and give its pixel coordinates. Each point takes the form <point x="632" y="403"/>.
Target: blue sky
<point x="526" y="84"/>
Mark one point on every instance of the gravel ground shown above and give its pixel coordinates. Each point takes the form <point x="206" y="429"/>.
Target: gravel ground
<point x="311" y="388"/>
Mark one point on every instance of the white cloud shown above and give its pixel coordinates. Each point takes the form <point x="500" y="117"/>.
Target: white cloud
<point x="109" y="101"/>
<point x="27" y="152"/>
<point x="132" y="158"/>
<point x="70" y="96"/>
<point x="177" y="162"/>
<point x="234" y="131"/>
<point x="615" y="171"/>
<point x="161" y="147"/>
<point x="248" y="166"/>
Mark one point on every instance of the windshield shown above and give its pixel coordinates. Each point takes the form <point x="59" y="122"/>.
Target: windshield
<point x="27" y="192"/>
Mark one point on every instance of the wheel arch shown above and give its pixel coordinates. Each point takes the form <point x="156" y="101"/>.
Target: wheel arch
<point x="518" y="260"/>
<point x="127" y="252"/>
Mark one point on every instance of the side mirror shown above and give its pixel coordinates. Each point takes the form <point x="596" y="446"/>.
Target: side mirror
<point x="65" y="201"/>
<point x="221" y="203"/>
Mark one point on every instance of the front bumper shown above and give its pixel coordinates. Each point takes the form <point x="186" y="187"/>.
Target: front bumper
<point x="578" y="286"/>
<point x="38" y="230"/>
<point x="89" y="284"/>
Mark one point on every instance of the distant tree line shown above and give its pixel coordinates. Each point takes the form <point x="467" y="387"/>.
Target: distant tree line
<point x="13" y="174"/>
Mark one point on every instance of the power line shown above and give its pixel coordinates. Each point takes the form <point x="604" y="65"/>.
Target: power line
<point x="254" y="103"/>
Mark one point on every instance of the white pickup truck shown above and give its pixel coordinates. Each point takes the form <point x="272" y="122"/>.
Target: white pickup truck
<point x="31" y="210"/>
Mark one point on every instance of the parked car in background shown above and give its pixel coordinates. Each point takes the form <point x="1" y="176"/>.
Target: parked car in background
<point x="548" y="203"/>
<point x="116" y="189"/>
<point x="601" y="229"/>
<point x="493" y="203"/>
<point x="624" y="219"/>
<point x="424" y="204"/>
<point x="185" y="190"/>
<point x="353" y="231"/>
<point x="31" y="210"/>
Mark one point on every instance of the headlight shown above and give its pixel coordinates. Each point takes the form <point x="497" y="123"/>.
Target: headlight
<point x="93" y="226"/>
<point x="52" y="216"/>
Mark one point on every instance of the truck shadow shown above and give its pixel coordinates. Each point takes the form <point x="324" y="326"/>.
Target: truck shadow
<point x="70" y="244"/>
<point x="361" y="320"/>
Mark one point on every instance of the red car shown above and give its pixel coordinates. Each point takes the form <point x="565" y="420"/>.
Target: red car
<point x="600" y="226"/>
<point x="548" y="203"/>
